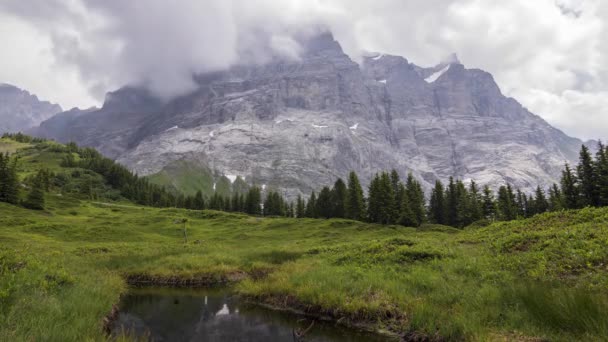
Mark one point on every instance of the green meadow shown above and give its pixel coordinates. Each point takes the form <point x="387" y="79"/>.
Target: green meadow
<point x="63" y="269"/>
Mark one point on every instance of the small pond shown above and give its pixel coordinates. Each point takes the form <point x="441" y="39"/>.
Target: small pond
<point x="161" y="314"/>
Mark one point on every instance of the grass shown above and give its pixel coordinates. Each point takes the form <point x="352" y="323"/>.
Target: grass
<point x="64" y="268"/>
<point x="545" y="278"/>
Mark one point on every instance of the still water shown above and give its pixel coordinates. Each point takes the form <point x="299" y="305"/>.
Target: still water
<point x="216" y="315"/>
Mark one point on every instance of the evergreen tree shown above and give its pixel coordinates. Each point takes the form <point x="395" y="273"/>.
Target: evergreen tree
<point x="9" y="184"/>
<point x="437" y="209"/>
<point x="355" y="203"/>
<point x="522" y="204"/>
<point x="198" y="202"/>
<point x="462" y="206"/>
<point x="541" y="204"/>
<point x="587" y="179"/>
<point x="338" y="199"/>
<point x="311" y="206"/>
<point x="451" y="201"/>
<point x="601" y="171"/>
<point x="570" y="189"/>
<point x="300" y="207"/>
<point x="324" y="203"/>
<point x="406" y="215"/>
<point x="475" y="202"/>
<point x="506" y="206"/>
<point x="415" y="195"/>
<point x="488" y="206"/>
<point x="555" y="198"/>
<point x="253" y="201"/>
<point x="35" y="198"/>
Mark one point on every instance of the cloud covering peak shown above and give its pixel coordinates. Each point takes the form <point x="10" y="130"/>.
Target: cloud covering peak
<point x="549" y="54"/>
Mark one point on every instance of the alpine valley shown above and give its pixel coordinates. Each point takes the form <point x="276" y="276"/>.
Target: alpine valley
<point x="296" y="125"/>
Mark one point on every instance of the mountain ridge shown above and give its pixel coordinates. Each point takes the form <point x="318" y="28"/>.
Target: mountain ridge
<point x="296" y="125"/>
<point x="20" y="110"/>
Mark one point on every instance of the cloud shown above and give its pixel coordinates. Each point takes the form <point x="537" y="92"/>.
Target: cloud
<point x="549" y="54"/>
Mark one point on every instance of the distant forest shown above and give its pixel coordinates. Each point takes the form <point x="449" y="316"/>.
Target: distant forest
<point x="389" y="199"/>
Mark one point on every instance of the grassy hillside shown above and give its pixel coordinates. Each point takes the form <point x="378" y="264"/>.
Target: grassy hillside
<point x="62" y="269"/>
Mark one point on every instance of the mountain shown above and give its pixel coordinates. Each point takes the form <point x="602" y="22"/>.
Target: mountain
<point x="20" y="110"/>
<point x="297" y="125"/>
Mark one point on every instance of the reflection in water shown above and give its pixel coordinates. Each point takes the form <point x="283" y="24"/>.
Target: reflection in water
<point x="216" y="315"/>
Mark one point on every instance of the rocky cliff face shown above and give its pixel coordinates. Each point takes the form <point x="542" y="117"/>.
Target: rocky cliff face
<point x="20" y="110"/>
<point x="297" y="125"/>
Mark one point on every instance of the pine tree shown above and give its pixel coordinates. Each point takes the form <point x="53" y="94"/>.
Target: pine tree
<point x="355" y="203"/>
<point x="555" y="198"/>
<point x="406" y="215"/>
<point x="324" y="203"/>
<point x="300" y="207"/>
<point x="415" y="194"/>
<point x="437" y="209"/>
<point x="488" y="206"/>
<point x="253" y="201"/>
<point x="338" y="199"/>
<point x="541" y="204"/>
<point x="311" y="206"/>
<point x="521" y="203"/>
<point x="198" y="202"/>
<point x="462" y="206"/>
<point x="475" y="203"/>
<point x="570" y="189"/>
<point x="451" y="201"/>
<point x="9" y="184"/>
<point x="587" y="179"/>
<point x="601" y="171"/>
<point x="35" y="198"/>
<point x="506" y="206"/>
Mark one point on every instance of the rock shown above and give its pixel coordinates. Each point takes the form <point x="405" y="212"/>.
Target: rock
<point x="20" y="110"/>
<point x="297" y="125"/>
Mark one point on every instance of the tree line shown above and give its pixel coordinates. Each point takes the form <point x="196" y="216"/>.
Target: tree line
<point x="389" y="199"/>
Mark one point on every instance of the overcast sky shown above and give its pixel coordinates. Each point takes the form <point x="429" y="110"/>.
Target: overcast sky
<point x="551" y="55"/>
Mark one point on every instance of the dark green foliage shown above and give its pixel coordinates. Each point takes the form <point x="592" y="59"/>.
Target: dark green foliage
<point x="586" y="171"/>
<point x="382" y="205"/>
<point x="415" y="196"/>
<point x="338" y="199"/>
<point x="355" y="203"/>
<point x="274" y="205"/>
<point x="9" y="183"/>
<point x="488" y="206"/>
<point x="198" y="201"/>
<point x="253" y="201"/>
<point x="300" y="210"/>
<point x="35" y="198"/>
<point x="540" y="204"/>
<point x="437" y="208"/>
<point x="570" y="189"/>
<point x="311" y="206"/>
<point x="506" y="204"/>
<point x="601" y="171"/>
<point x="324" y="203"/>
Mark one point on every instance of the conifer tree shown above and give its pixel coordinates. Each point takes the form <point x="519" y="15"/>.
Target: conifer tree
<point x="406" y="215"/>
<point x="488" y="205"/>
<point x="475" y="202"/>
<point x="587" y="179"/>
<point x="506" y="206"/>
<point x="300" y="207"/>
<point x="253" y="201"/>
<point x="311" y="206"/>
<point x="198" y="202"/>
<point x="570" y="189"/>
<point x="601" y="171"/>
<point x="555" y="198"/>
<point x="338" y="199"/>
<point x="462" y="218"/>
<point x="415" y="195"/>
<point x="522" y="204"/>
<point x="9" y="184"/>
<point x="324" y="203"/>
<point x="355" y="203"/>
<point x="451" y="201"/>
<point x="541" y="204"/>
<point x="437" y="209"/>
<point x="35" y="198"/>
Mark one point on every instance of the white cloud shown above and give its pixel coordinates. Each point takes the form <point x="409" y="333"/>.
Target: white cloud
<point x="551" y="55"/>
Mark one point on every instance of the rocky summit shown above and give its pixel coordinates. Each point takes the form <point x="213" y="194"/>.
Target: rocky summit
<point x="296" y="125"/>
<point x="20" y="110"/>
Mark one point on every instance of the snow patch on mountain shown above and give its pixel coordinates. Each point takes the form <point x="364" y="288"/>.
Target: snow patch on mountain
<point x="435" y="76"/>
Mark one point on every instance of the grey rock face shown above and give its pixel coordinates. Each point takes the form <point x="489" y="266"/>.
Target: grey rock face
<point x="297" y="125"/>
<point x="20" y="110"/>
